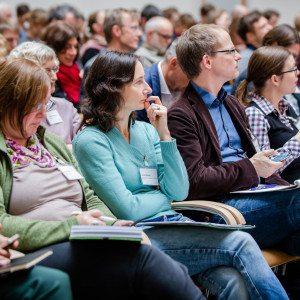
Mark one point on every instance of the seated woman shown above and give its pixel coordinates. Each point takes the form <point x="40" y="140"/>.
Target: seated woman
<point x="136" y="169"/>
<point x="62" y="118"/>
<point x="64" y="39"/>
<point x="37" y="201"/>
<point x="273" y="120"/>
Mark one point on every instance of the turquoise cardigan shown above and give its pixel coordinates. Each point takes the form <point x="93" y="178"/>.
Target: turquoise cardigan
<point x="112" y="168"/>
<point x="36" y="234"/>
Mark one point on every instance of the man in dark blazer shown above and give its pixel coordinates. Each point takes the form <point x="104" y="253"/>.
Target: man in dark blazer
<point x="215" y="142"/>
<point x="166" y="80"/>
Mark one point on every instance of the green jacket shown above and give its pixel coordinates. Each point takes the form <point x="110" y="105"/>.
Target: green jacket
<point x="36" y="234"/>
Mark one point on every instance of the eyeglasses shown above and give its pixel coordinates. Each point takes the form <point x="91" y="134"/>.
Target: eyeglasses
<point x="47" y="106"/>
<point x="295" y="69"/>
<point x="55" y="69"/>
<point x="134" y="28"/>
<point x="232" y="51"/>
<point x="164" y="36"/>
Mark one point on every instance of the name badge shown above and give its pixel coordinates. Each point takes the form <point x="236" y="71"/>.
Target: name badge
<point x="53" y="117"/>
<point x="149" y="176"/>
<point x="298" y="124"/>
<point x="69" y="172"/>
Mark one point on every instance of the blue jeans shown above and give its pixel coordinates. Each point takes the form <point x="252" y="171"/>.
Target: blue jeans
<point x="275" y="214"/>
<point x="229" y="263"/>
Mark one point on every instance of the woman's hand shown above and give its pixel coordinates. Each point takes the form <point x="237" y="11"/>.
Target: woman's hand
<point x="4" y="252"/>
<point x="90" y="217"/>
<point x="157" y="114"/>
<point x="122" y="223"/>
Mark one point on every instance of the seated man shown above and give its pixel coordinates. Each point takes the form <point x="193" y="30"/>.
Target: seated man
<point x="166" y="80"/>
<point x="214" y="140"/>
<point x="159" y="34"/>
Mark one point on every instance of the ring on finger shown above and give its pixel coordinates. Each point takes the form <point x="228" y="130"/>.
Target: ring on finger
<point x="95" y="222"/>
<point x="158" y="107"/>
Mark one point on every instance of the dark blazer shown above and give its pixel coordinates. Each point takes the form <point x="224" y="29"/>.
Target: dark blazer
<point x="191" y="125"/>
<point x="152" y="78"/>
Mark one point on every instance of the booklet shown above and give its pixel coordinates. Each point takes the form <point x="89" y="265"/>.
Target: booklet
<point x="25" y="262"/>
<point x="95" y="232"/>
<point x="264" y="188"/>
<point x="200" y="224"/>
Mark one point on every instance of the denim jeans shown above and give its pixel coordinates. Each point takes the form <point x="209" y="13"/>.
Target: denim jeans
<point x="227" y="262"/>
<point x="276" y="216"/>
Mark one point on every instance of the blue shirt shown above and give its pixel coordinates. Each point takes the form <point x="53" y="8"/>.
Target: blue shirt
<point x="229" y="139"/>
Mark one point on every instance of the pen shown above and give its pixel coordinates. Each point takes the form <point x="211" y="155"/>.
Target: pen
<point x="134" y="223"/>
<point x="102" y="218"/>
<point x="262" y="187"/>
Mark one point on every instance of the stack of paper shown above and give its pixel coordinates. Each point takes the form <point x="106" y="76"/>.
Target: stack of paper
<point x="94" y="232"/>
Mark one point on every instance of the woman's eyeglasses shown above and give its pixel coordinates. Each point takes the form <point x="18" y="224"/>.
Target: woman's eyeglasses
<point x="47" y="106"/>
<point x="295" y="69"/>
<point x="54" y="70"/>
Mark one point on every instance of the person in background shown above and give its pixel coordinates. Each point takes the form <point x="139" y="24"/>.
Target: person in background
<point x="159" y="34"/>
<point x="272" y="16"/>
<point x="62" y="118"/>
<point x="172" y="14"/>
<point x="218" y="16"/>
<point x="272" y="119"/>
<point x="119" y="155"/>
<point x="37" y="200"/>
<point x="184" y="22"/>
<point x="204" y="10"/>
<point x="11" y="33"/>
<point x="148" y="12"/>
<point x="22" y="10"/>
<point x="297" y="26"/>
<point x="65" y="13"/>
<point x="3" y="47"/>
<point x="6" y="12"/>
<point x="63" y="38"/>
<point x="37" y="20"/>
<point x="166" y="80"/>
<point x="46" y="283"/>
<point x="251" y="28"/>
<point x="97" y="39"/>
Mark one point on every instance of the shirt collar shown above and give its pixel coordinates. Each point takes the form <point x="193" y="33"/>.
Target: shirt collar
<point x="208" y="98"/>
<point x="163" y="85"/>
<point x="267" y="107"/>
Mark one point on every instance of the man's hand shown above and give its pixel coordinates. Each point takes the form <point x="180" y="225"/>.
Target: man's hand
<point x="263" y="165"/>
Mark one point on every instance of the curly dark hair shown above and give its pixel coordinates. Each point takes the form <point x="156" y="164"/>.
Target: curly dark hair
<point x="110" y="72"/>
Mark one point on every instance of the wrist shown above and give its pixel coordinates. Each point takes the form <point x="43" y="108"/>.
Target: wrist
<point x="165" y="136"/>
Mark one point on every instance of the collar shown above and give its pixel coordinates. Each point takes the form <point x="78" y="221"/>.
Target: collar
<point x="163" y="85"/>
<point x="269" y="108"/>
<point x="208" y="98"/>
<point x="251" y="47"/>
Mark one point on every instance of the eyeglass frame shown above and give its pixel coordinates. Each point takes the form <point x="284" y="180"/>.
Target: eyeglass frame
<point x="47" y="106"/>
<point x="164" y="36"/>
<point x="134" y="28"/>
<point x="233" y="51"/>
<point x="295" y="69"/>
<point x="55" y="70"/>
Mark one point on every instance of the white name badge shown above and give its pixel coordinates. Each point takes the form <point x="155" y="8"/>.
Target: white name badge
<point x="149" y="176"/>
<point x="53" y="117"/>
<point x="69" y="172"/>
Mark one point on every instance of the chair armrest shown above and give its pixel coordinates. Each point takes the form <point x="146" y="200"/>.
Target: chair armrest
<point x="230" y="215"/>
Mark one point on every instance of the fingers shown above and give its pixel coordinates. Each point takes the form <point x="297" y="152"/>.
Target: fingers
<point x="155" y="99"/>
<point x="155" y="110"/>
<point x="123" y="223"/>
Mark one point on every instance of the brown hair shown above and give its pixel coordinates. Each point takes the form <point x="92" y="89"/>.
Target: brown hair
<point x="57" y="35"/>
<point x="110" y="72"/>
<point x="193" y="44"/>
<point x="245" y="24"/>
<point x="264" y="62"/>
<point x="282" y="35"/>
<point x="23" y="85"/>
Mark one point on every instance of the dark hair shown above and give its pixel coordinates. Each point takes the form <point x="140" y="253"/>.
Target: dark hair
<point x="282" y="35"/>
<point x="269" y="13"/>
<point x="22" y="9"/>
<point x="264" y="62"/>
<point x="205" y="9"/>
<point x="57" y="35"/>
<point x="92" y="20"/>
<point x="109" y="73"/>
<point x="245" y="23"/>
<point x="59" y="12"/>
<point x="150" y="11"/>
<point x="23" y="85"/>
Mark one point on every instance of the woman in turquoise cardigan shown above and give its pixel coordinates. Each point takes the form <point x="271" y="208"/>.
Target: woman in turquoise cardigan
<point x="136" y="169"/>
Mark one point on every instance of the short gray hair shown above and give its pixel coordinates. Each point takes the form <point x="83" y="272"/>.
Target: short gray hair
<point x="155" y="23"/>
<point x="171" y="51"/>
<point x="34" y="51"/>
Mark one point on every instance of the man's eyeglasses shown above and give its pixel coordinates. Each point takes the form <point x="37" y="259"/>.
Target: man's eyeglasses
<point x="55" y="69"/>
<point x="134" y="28"/>
<point x="295" y="69"/>
<point x="232" y="51"/>
<point x="165" y="36"/>
<point x="47" y="106"/>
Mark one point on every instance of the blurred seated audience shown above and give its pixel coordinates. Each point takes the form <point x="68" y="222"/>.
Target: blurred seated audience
<point x="204" y="10"/>
<point x="218" y="16"/>
<point x="6" y="12"/>
<point x="272" y="16"/>
<point x="61" y="118"/>
<point x="11" y="33"/>
<point x="184" y="22"/>
<point x="22" y="10"/>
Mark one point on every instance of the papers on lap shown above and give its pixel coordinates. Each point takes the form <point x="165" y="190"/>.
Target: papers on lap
<point x="95" y="232"/>
<point x="25" y="262"/>
<point x="196" y="224"/>
<point x="264" y="188"/>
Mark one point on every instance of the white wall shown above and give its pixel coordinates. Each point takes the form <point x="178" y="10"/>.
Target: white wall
<point x="287" y="8"/>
